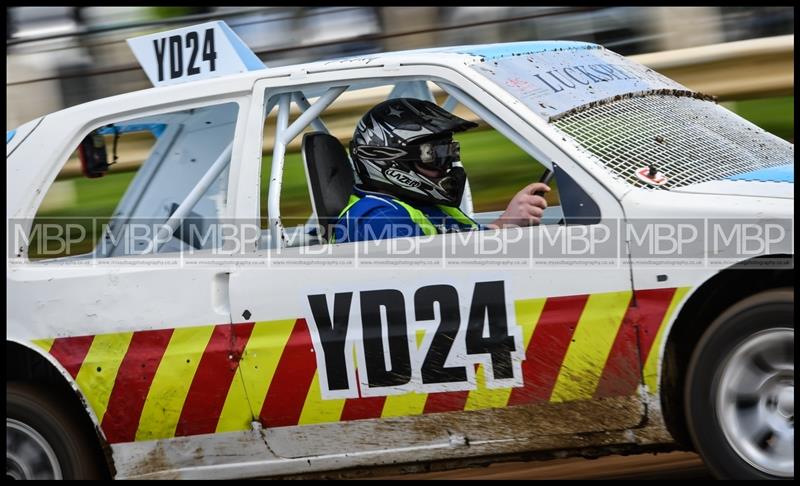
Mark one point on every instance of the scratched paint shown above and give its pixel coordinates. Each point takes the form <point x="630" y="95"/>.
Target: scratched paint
<point x="278" y="379"/>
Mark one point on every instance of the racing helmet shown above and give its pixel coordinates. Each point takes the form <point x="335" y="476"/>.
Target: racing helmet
<point x="396" y="135"/>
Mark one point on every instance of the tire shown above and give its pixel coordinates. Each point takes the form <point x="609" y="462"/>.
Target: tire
<point x="748" y="354"/>
<point x="44" y="439"/>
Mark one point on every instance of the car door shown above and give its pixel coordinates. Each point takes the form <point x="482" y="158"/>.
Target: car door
<point x="354" y="353"/>
<point x="147" y="339"/>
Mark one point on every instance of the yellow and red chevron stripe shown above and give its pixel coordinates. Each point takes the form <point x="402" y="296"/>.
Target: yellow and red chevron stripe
<point x="157" y="384"/>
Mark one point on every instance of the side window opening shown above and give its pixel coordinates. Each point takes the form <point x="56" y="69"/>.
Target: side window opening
<point x="160" y="161"/>
<point x="497" y="168"/>
<point x="76" y="205"/>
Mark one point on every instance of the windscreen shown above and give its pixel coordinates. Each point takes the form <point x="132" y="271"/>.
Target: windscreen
<point x="554" y="81"/>
<point x="685" y="139"/>
<point x="638" y="125"/>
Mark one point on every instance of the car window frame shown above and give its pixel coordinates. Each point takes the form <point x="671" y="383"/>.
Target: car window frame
<point x="529" y="135"/>
<point x="243" y="102"/>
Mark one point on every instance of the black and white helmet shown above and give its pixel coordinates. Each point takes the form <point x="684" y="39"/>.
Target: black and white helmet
<point x="396" y="135"/>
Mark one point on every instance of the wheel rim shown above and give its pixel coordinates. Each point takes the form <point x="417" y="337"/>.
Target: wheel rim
<point x="755" y="401"/>
<point x="28" y="455"/>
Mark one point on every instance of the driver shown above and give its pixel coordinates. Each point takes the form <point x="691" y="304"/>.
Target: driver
<point x="411" y="177"/>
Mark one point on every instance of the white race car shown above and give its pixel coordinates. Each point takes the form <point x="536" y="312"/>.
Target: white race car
<point x="651" y="309"/>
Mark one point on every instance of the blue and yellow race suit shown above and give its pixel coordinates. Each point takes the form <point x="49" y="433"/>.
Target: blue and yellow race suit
<point x="376" y="216"/>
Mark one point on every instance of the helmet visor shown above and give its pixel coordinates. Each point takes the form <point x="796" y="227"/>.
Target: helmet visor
<point x="439" y="155"/>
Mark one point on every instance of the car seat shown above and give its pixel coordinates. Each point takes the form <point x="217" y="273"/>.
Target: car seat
<point x="330" y="176"/>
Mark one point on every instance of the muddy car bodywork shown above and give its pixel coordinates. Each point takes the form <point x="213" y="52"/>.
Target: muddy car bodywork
<point x="223" y="372"/>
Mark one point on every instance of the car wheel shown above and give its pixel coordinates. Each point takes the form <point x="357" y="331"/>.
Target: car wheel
<point x="43" y="438"/>
<point x="739" y="398"/>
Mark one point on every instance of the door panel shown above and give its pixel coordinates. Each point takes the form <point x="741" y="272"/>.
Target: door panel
<point x="359" y="354"/>
<point x="152" y="364"/>
<point x="333" y="359"/>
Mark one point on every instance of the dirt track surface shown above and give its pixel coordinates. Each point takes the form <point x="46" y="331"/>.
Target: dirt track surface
<point x="671" y="465"/>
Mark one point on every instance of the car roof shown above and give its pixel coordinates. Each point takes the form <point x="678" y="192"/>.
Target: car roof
<point x="452" y="55"/>
<point x="476" y="52"/>
<point x="445" y="55"/>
